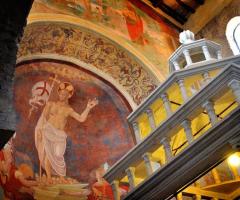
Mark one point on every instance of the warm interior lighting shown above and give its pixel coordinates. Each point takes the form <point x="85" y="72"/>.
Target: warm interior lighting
<point x="234" y="160"/>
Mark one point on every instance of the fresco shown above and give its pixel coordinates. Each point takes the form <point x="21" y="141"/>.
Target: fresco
<point x="71" y="127"/>
<point x="155" y="39"/>
<point x="90" y="48"/>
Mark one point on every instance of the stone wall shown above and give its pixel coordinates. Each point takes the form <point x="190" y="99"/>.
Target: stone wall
<point x="11" y="24"/>
<point x="215" y="29"/>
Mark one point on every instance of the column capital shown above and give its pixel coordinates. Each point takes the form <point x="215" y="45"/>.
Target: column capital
<point x="149" y="111"/>
<point x="114" y="183"/>
<point x="135" y="124"/>
<point x="207" y="105"/>
<point x="186" y="123"/>
<point x="206" y="76"/>
<point x="147" y="156"/>
<point x="180" y="81"/>
<point x="186" y="51"/>
<point x="234" y="84"/>
<point x="165" y="141"/>
<point x="130" y="170"/>
<point x="164" y="96"/>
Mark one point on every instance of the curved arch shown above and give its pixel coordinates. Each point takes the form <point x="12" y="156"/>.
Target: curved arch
<point x="141" y="59"/>
<point x="83" y="65"/>
<point x="233" y="34"/>
<point x="76" y="42"/>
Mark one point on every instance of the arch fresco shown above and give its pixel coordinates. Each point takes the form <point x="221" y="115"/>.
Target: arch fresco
<point x="98" y="141"/>
<point x="72" y="41"/>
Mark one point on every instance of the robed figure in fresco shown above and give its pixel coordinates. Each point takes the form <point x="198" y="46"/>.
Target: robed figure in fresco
<point x="50" y="137"/>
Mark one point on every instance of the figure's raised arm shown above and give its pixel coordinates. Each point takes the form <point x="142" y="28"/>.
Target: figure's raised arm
<point x="83" y="116"/>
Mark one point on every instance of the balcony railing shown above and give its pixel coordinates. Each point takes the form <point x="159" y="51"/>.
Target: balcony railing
<point x="215" y="104"/>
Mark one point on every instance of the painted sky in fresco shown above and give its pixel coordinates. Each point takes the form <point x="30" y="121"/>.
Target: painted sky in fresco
<point x="103" y="137"/>
<point x="154" y="39"/>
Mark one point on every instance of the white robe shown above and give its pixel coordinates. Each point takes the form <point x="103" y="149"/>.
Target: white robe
<point x="52" y="146"/>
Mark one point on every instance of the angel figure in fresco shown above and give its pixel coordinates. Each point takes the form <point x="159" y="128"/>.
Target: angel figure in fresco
<point x="50" y="137"/>
<point x="133" y="21"/>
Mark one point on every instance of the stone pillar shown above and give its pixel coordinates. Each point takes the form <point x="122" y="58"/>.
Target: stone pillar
<point x="186" y="124"/>
<point x="187" y="56"/>
<point x="115" y="188"/>
<point x="151" y="118"/>
<point x="216" y="176"/>
<point x="206" y="52"/>
<point x="206" y="77"/>
<point x="166" y="104"/>
<point x="208" y="106"/>
<point x="136" y="131"/>
<point x="219" y="54"/>
<point x="176" y="65"/>
<point x="131" y="177"/>
<point x="167" y="148"/>
<point x="8" y="51"/>
<point x="183" y="89"/>
<point x="147" y="157"/>
<point x="13" y="16"/>
<point x="235" y="86"/>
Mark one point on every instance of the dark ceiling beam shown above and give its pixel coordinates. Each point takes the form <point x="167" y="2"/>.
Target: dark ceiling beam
<point x="168" y="10"/>
<point x="200" y="2"/>
<point x="153" y="13"/>
<point x="185" y="6"/>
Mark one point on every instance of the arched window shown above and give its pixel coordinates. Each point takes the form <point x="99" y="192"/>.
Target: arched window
<point x="233" y="34"/>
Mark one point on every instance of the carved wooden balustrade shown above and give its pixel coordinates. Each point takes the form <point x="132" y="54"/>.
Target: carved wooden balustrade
<point x="199" y="108"/>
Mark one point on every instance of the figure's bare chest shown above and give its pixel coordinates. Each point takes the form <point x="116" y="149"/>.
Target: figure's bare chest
<point x="59" y="110"/>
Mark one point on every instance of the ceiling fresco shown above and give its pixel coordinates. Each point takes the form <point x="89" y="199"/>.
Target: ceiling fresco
<point x="156" y="40"/>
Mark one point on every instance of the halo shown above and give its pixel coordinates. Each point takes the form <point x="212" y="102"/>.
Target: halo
<point x="66" y="86"/>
